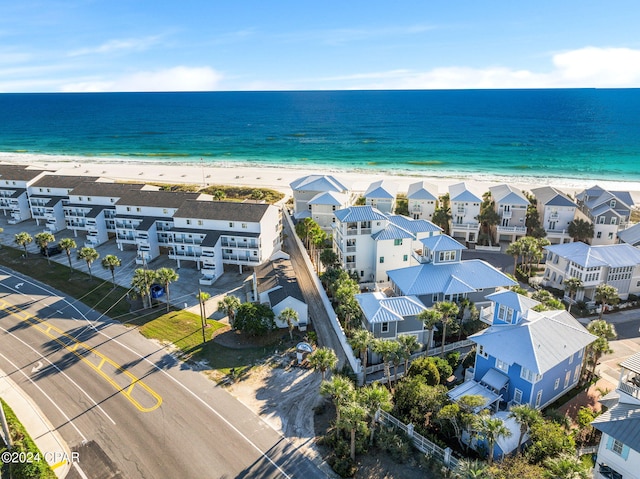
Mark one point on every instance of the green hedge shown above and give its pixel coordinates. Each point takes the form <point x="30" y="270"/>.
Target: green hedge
<point x="22" y="442"/>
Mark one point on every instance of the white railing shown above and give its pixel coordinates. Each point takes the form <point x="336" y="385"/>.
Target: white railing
<point x="420" y="442"/>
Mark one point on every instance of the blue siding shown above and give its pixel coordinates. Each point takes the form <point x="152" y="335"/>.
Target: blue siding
<point x="515" y="381"/>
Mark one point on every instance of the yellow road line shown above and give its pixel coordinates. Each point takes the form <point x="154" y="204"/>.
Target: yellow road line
<point x="81" y="350"/>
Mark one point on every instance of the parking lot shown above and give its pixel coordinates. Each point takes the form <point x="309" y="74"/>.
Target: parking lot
<point x="183" y="292"/>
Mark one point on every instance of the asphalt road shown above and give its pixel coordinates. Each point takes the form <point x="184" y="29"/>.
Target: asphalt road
<point x="130" y="408"/>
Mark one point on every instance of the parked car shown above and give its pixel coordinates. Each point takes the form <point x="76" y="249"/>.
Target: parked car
<point x="52" y="250"/>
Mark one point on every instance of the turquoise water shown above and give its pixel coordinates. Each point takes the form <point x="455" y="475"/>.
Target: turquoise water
<point x="572" y="134"/>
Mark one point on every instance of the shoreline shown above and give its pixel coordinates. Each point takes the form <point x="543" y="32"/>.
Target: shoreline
<point x="279" y="177"/>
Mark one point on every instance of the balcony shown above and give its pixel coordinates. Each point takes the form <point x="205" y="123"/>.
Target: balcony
<point x="240" y="259"/>
<point x="512" y="229"/>
<point x="183" y="240"/>
<point x="231" y="244"/>
<point x="464" y="226"/>
<point x="553" y="217"/>
<point x="506" y="214"/>
<point x="365" y="231"/>
<point x="351" y="249"/>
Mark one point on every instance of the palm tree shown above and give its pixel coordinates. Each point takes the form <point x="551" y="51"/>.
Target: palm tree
<point x="353" y="415"/>
<point x="468" y="469"/>
<point x="202" y="300"/>
<point x="360" y="341"/>
<point x="526" y="417"/>
<point x="492" y="429"/>
<point x="581" y="230"/>
<point x="515" y="249"/>
<point x="166" y="276"/>
<point x="141" y="283"/>
<point x="229" y="305"/>
<point x="605" y="332"/>
<point x="111" y="262"/>
<point x="566" y="466"/>
<point x="441" y="218"/>
<point x="408" y="345"/>
<point x="572" y="286"/>
<point x="341" y="391"/>
<point x="388" y="349"/>
<point x="219" y="195"/>
<point x="449" y="311"/>
<point x="430" y="317"/>
<point x="89" y="255"/>
<point x="43" y="240"/>
<point x="372" y="398"/>
<point x="606" y="294"/>
<point x="67" y="244"/>
<point x="289" y="316"/>
<point x="23" y="239"/>
<point x="323" y="359"/>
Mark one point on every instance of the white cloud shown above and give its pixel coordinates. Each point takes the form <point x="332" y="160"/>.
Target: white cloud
<point x="118" y="45"/>
<point x="179" y="78"/>
<point x="588" y="67"/>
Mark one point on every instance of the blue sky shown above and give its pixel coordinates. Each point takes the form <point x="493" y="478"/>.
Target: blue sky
<point x="144" y="45"/>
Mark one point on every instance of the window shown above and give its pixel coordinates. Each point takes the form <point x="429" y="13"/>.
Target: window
<point x="397" y="242"/>
<point x="384" y="327"/>
<point x="482" y="352"/>
<point x="517" y="396"/>
<point x="601" y="220"/>
<point x="165" y="211"/>
<point x="244" y="225"/>
<point x="567" y="378"/>
<point x="502" y="366"/>
<point x="617" y="447"/>
<point x="89" y="198"/>
<point x="128" y="208"/>
<point x="599" y="234"/>
<point x="381" y="259"/>
<point x="199" y="222"/>
<point x="556" y="384"/>
<point x="614" y="220"/>
<point x="188" y="222"/>
<point x="138" y="209"/>
<point x="230" y="224"/>
<point x="504" y="313"/>
<point x="571" y="358"/>
<point x="538" y="398"/>
<point x="405" y="257"/>
<point x="611" y="235"/>
<point x="529" y="375"/>
<point x="612" y="204"/>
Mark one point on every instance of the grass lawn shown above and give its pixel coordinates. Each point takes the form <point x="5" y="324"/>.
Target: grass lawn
<point x="179" y="327"/>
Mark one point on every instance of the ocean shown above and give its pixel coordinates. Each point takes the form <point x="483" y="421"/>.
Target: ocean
<point x="581" y="134"/>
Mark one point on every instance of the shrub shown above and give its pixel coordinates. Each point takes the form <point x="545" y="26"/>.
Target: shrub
<point x="454" y="359"/>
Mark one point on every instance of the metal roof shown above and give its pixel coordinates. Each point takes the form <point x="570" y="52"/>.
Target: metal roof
<point x="381" y="189"/>
<point x="547" y="195"/>
<point x="353" y="214"/>
<point x="513" y="300"/>
<point x="318" y="183"/>
<point x="460" y="192"/>
<point x="378" y="308"/>
<point x="495" y="379"/>
<point x="442" y="243"/>
<point x="392" y="232"/>
<point x="538" y="343"/>
<point x="631" y="235"/>
<point x="421" y="191"/>
<point x="508" y="194"/>
<point x="621" y="422"/>
<point x="432" y="278"/>
<point x="632" y="363"/>
<point x="613" y="255"/>
<point x="329" y="198"/>
<point x="414" y="226"/>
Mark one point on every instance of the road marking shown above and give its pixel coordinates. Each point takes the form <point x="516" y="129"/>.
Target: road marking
<point x="45" y="395"/>
<point x="37" y="367"/>
<point x="178" y="383"/>
<point x="19" y="285"/>
<point x="86" y="353"/>
<point x="61" y="372"/>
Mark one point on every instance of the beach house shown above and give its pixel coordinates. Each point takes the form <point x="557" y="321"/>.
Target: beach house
<point x="619" y="449"/>
<point x="555" y="211"/>
<point x="524" y="357"/>
<point x="370" y="242"/>
<point x="318" y="197"/>
<point x="617" y="265"/>
<point x="14" y="199"/>
<point x="421" y="200"/>
<point x="609" y="211"/>
<point x="381" y="195"/>
<point x="48" y="196"/>
<point x="630" y="236"/>
<point x="91" y="209"/>
<point x="390" y="317"/>
<point x="465" y="208"/>
<point x="442" y="275"/>
<point x="511" y="205"/>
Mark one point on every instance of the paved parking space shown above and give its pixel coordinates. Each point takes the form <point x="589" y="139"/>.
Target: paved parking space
<point x="183" y="291"/>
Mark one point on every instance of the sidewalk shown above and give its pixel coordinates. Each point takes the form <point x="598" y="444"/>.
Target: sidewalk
<point x="48" y="440"/>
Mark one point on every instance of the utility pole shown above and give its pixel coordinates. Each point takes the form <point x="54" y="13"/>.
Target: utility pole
<point x="202" y="320"/>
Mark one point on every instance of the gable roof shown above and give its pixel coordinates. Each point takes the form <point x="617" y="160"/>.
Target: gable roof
<point x="442" y="243"/>
<point x="632" y="363"/>
<point x="631" y="235"/>
<point x="392" y="231"/>
<point x="414" y="226"/>
<point x="507" y="194"/>
<point x="548" y="196"/>
<point x="318" y="183"/>
<point x="421" y="191"/>
<point x="329" y="198"/>
<point x="613" y="255"/>
<point x="460" y="192"/>
<point x="378" y="308"/>
<point x="513" y="300"/>
<point x="381" y="189"/>
<point x="539" y="342"/>
<point x="621" y="422"/>
<point x="359" y="213"/>
<point x="222" y="210"/>
<point x="18" y="172"/>
<point x="432" y="278"/>
<point x="62" y="181"/>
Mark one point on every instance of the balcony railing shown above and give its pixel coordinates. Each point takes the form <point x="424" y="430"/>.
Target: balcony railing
<point x="506" y="214"/>
<point x="464" y="226"/>
<point x="242" y="259"/>
<point x="512" y="229"/>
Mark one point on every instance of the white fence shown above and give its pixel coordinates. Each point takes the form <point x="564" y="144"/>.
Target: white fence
<point x="420" y="442"/>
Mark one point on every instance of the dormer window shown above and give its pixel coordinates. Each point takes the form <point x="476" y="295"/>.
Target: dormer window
<point x="612" y="203"/>
<point x="505" y="314"/>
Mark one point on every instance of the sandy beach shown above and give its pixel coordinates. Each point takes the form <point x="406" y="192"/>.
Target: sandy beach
<point x="276" y="178"/>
